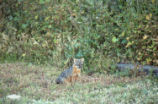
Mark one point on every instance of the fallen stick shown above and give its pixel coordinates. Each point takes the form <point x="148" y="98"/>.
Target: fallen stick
<point x="145" y="68"/>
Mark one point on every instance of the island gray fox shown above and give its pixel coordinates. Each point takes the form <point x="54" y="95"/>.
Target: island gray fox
<point x="71" y="74"/>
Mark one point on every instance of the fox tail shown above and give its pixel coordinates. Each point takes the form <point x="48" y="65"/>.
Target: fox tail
<point x="59" y="80"/>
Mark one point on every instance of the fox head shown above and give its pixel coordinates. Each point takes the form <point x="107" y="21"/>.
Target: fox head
<point x="78" y="62"/>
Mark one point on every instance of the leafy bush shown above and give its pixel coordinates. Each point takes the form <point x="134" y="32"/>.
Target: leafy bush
<point x="102" y="32"/>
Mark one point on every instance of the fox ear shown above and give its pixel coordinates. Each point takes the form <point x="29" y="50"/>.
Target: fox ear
<point x="75" y="60"/>
<point x="82" y="59"/>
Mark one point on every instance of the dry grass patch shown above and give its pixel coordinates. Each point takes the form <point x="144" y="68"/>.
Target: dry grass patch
<point x="38" y="82"/>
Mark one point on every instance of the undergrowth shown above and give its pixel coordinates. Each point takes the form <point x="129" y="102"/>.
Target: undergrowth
<point x="103" y="32"/>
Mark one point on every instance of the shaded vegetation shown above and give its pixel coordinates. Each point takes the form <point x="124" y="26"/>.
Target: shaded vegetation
<point x="103" y="32"/>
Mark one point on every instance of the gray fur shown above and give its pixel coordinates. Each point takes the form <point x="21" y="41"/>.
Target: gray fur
<point x="64" y="75"/>
<point x="68" y="72"/>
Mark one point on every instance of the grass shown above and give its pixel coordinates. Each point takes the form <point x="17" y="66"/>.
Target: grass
<point x="36" y="85"/>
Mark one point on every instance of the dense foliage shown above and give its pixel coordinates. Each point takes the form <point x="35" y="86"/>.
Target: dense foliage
<point x="102" y="31"/>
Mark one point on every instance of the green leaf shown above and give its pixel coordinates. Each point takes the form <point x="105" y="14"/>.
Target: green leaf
<point x="49" y="26"/>
<point x="41" y="1"/>
<point x="47" y="0"/>
<point x="79" y="54"/>
<point x="114" y="39"/>
<point x="24" y="26"/>
<point x="124" y="41"/>
<point x="20" y="0"/>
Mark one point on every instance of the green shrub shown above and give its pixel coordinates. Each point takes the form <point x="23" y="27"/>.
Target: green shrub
<point x="102" y="32"/>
